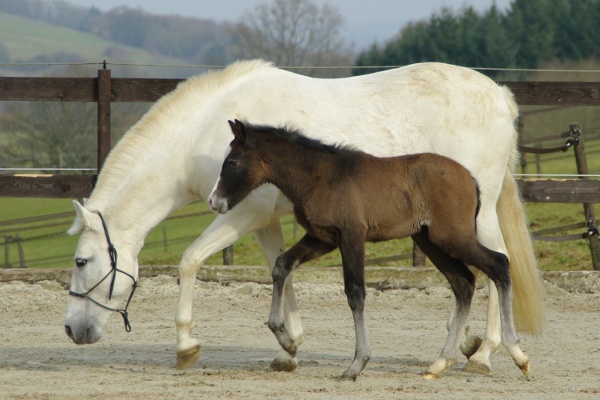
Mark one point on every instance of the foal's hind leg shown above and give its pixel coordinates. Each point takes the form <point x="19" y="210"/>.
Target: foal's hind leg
<point x="353" y="258"/>
<point x="462" y="282"/>
<point x="495" y="265"/>
<point x="306" y="249"/>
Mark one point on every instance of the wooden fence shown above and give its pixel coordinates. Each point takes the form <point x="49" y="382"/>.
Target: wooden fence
<point x="105" y="90"/>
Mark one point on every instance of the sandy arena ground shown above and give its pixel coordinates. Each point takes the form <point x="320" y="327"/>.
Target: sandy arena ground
<point x="407" y="330"/>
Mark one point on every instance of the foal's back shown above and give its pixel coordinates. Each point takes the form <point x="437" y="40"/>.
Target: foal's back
<point x="395" y="197"/>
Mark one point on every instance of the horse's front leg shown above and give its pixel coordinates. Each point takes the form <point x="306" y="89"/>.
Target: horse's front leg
<point x="271" y="241"/>
<point x="353" y="260"/>
<point x="306" y="249"/>
<point x="224" y="230"/>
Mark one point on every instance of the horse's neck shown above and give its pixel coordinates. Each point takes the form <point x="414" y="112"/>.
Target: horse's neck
<point x="140" y="199"/>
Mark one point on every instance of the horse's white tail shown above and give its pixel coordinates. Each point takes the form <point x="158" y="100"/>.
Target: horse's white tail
<point x="528" y="299"/>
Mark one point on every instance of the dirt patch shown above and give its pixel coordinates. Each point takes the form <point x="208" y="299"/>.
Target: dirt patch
<point x="407" y="330"/>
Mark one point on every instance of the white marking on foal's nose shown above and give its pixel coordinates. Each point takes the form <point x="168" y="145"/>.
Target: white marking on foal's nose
<point x="217" y="204"/>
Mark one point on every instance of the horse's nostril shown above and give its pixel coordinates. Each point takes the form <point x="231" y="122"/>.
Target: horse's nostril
<point x="68" y="331"/>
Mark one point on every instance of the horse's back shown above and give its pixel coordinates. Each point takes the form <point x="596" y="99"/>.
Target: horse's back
<point x="426" y="107"/>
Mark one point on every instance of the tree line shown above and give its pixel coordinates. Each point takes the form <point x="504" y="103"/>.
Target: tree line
<point x="526" y="35"/>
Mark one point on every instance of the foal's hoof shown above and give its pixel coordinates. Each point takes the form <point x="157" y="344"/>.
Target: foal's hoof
<point x="288" y="365"/>
<point x="431" y="375"/>
<point x="475" y="367"/>
<point x="186" y="359"/>
<point x="348" y="376"/>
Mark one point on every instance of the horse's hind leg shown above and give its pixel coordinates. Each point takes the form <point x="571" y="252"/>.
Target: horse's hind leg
<point x="462" y="282"/>
<point x="271" y="241"/>
<point x="306" y="249"/>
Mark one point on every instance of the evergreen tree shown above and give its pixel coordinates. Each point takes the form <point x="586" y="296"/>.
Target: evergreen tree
<point x="531" y="32"/>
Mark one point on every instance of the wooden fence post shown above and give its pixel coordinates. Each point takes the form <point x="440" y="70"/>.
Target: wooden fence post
<point x="7" y="240"/>
<point x="104" y="89"/>
<point x="521" y="126"/>
<point x="588" y="208"/>
<point x="19" y="241"/>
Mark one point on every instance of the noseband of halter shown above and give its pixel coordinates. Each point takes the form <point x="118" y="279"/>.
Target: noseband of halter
<point x="112" y="252"/>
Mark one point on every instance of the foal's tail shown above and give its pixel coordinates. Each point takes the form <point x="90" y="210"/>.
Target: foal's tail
<point x="528" y="302"/>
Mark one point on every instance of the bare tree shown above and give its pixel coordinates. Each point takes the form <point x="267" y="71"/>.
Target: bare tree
<point x="295" y="33"/>
<point x="48" y="134"/>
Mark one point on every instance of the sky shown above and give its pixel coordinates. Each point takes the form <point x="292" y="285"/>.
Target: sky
<point x="366" y="21"/>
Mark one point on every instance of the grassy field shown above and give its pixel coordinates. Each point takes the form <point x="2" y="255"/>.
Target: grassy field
<point x="26" y="38"/>
<point x="51" y="247"/>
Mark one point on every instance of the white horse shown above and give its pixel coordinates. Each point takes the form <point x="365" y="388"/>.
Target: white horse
<point x="174" y="153"/>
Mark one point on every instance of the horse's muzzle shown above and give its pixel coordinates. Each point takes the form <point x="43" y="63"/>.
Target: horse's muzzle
<point x="84" y="335"/>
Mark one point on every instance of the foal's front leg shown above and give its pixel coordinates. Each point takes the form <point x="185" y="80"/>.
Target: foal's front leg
<point x="353" y="259"/>
<point x="306" y="249"/>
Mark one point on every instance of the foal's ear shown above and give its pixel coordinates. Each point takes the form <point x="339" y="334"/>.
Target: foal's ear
<point x="238" y="129"/>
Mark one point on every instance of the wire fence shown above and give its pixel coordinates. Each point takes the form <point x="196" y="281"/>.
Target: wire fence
<point x="105" y="64"/>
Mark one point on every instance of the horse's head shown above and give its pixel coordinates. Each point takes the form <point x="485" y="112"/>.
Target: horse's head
<point x="101" y="278"/>
<point x="242" y="171"/>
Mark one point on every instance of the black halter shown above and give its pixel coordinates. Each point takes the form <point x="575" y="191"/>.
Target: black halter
<point x="112" y="252"/>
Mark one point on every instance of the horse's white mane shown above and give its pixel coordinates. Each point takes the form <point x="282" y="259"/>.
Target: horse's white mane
<point x="167" y="112"/>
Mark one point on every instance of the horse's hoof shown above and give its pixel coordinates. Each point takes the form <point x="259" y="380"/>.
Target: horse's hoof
<point x="186" y="359"/>
<point x="288" y="365"/>
<point x="431" y="375"/>
<point x="470" y="346"/>
<point x="475" y="367"/>
<point x="525" y="368"/>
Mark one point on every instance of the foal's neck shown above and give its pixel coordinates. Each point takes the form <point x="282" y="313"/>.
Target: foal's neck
<point x="297" y="170"/>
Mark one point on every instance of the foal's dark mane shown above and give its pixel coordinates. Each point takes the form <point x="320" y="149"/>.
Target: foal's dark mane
<point x="290" y="134"/>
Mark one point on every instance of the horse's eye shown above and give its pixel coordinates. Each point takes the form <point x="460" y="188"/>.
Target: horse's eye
<point x="233" y="163"/>
<point x="80" y="262"/>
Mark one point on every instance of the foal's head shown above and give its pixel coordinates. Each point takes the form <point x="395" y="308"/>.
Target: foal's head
<point x="243" y="170"/>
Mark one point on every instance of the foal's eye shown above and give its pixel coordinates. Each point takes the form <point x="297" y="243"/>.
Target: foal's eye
<point x="80" y="262"/>
<point x="233" y="163"/>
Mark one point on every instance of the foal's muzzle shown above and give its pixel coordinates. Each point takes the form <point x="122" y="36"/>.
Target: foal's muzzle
<point x="217" y="204"/>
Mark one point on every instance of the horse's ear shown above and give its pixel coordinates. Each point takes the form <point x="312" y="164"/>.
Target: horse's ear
<point x="84" y="218"/>
<point x="238" y="129"/>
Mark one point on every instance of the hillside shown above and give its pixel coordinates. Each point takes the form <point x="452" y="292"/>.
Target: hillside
<point x="30" y="40"/>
